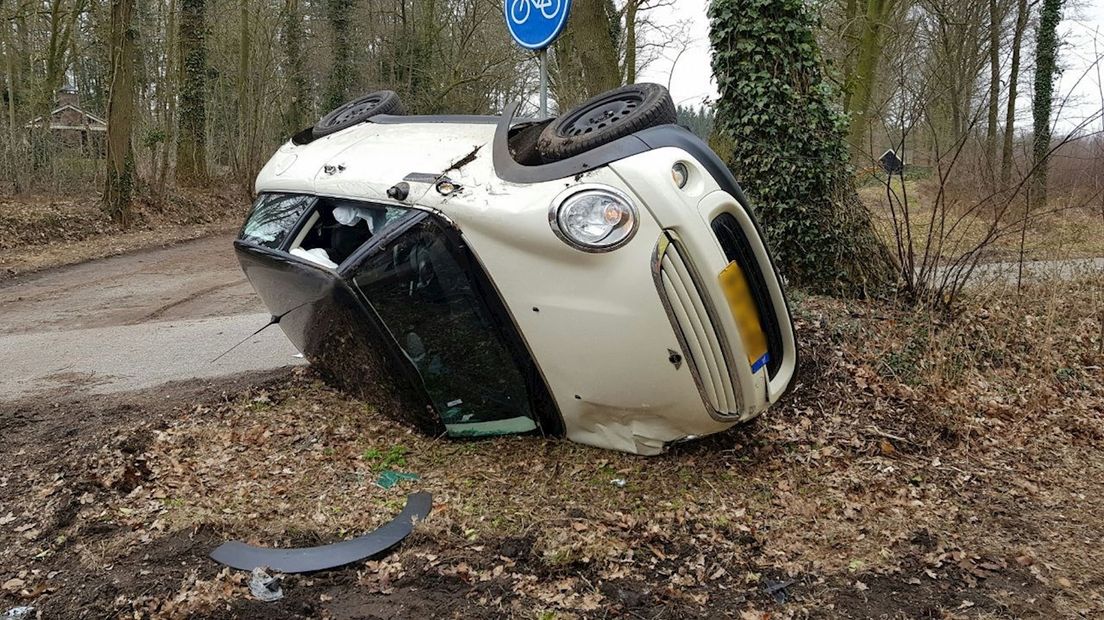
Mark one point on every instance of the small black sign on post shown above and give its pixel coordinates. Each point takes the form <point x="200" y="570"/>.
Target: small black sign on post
<point x="891" y="163"/>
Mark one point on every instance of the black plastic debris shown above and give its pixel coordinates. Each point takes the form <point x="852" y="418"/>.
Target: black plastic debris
<point x="309" y="559"/>
<point x="777" y="589"/>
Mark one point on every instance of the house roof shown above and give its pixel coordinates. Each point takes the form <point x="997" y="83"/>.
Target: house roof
<point x="95" y="123"/>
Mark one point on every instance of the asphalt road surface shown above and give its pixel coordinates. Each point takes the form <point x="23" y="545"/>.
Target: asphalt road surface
<point x="134" y="321"/>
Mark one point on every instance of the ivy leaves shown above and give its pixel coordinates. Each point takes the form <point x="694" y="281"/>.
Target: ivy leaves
<point x="780" y="131"/>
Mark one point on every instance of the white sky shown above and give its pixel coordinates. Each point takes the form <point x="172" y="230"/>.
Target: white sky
<point x="691" y="77"/>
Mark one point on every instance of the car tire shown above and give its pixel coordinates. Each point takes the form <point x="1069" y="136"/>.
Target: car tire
<point x="357" y="111"/>
<point x="613" y="114"/>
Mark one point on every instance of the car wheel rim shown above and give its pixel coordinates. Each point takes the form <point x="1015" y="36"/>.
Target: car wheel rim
<point x="354" y="110"/>
<point x="600" y="115"/>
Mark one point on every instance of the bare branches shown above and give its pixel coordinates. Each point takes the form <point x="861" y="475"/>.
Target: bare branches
<point x="952" y="247"/>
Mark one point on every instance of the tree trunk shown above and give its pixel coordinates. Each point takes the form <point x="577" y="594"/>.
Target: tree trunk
<point x="169" y="120"/>
<point x="191" y="142"/>
<point x="243" y="157"/>
<point x="781" y="116"/>
<point x="1046" y="56"/>
<point x="13" y="132"/>
<point x="62" y="22"/>
<point x="630" y="40"/>
<point x="341" y="68"/>
<point x="585" y="60"/>
<point x="296" y="113"/>
<point x="850" y="37"/>
<point x="1013" y="86"/>
<point x="865" y="76"/>
<point x="995" y="23"/>
<point x="244" y="45"/>
<point x="119" y="187"/>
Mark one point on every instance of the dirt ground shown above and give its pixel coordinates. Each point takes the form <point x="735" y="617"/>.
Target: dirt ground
<point x="135" y="321"/>
<point x="197" y="279"/>
<point x="42" y="231"/>
<point x="922" y="468"/>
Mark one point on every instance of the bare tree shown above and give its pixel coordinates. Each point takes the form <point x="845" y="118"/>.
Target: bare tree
<point x="863" y="77"/>
<point x="991" y="129"/>
<point x="298" y="105"/>
<point x="1022" y="13"/>
<point x="119" y="188"/>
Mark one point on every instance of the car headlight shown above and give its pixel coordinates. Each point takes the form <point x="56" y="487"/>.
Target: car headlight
<point x="594" y="218"/>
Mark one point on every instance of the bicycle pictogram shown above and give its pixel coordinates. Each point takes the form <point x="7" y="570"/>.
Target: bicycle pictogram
<point x="521" y="9"/>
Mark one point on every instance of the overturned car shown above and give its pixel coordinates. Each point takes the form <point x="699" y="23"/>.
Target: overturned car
<point x="598" y="276"/>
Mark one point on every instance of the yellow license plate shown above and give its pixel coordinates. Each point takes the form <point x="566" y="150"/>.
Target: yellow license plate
<point x="740" y="302"/>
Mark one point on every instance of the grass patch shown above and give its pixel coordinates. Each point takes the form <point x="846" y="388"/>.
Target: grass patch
<point x="1069" y="232"/>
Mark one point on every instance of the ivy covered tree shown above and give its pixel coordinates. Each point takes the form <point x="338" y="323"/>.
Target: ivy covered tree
<point x="191" y="142"/>
<point x="786" y="142"/>
<point x="1046" y="68"/>
<point x="339" y="84"/>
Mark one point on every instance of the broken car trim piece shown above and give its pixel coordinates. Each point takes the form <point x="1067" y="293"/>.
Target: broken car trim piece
<point x="310" y="559"/>
<point x="532" y="295"/>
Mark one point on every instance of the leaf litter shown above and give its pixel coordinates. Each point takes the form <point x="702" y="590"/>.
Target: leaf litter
<point x="923" y="465"/>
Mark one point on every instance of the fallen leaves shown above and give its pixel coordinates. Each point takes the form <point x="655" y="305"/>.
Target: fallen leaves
<point x="861" y="477"/>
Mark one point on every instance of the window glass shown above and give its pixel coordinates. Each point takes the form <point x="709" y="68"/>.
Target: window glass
<point x="273" y="217"/>
<point x="343" y="227"/>
<point x="427" y="300"/>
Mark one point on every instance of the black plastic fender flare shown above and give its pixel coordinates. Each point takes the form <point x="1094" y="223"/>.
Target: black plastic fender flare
<point x="310" y="559"/>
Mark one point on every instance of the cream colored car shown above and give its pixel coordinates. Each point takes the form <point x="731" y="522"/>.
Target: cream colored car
<point x="489" y="275"/>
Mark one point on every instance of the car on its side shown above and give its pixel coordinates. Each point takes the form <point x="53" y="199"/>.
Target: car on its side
<point x="598" y="276"/>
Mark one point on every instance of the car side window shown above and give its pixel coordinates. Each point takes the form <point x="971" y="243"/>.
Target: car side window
<point x="273" y="218"/>
<point x="424" y="295"/>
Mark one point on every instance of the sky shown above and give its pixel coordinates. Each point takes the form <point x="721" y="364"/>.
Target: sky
<point x="690" y="76"/>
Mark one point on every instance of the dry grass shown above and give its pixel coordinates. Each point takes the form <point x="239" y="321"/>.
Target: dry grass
<point x="1072" y="230"/>
<point x="921" y="467"/>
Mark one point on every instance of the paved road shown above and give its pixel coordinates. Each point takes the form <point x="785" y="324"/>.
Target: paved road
<point x="134" y="321"/>
<point x="988" y="274"/>
<point x="1035" y="270"/>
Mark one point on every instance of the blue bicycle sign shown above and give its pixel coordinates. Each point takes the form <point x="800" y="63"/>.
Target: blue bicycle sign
<point x="534" y="24"/>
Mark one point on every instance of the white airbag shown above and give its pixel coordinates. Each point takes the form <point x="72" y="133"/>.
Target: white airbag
<point x="317" y="256"/>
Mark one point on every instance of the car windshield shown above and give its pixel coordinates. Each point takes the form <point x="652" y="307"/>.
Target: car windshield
<point x="419" y="286"/>
<point x="273" y="217"/>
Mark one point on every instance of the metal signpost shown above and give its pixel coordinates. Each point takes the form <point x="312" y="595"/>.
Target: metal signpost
<point x="535" y="24"/>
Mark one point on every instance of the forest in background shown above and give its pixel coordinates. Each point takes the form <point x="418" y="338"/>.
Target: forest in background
<point x="207" y="89"/>
<point x="933" y="460"/>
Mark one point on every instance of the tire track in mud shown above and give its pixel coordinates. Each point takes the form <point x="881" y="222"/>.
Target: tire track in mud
<point x="158" y="313"/>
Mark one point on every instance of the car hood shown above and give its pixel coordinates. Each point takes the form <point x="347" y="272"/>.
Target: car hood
<point x="365" y="160"/>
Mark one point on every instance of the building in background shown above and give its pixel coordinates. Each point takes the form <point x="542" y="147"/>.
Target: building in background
<point x="71" y="127"/>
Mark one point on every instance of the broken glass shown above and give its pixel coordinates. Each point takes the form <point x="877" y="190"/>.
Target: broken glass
<point x="273" y="218"/>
